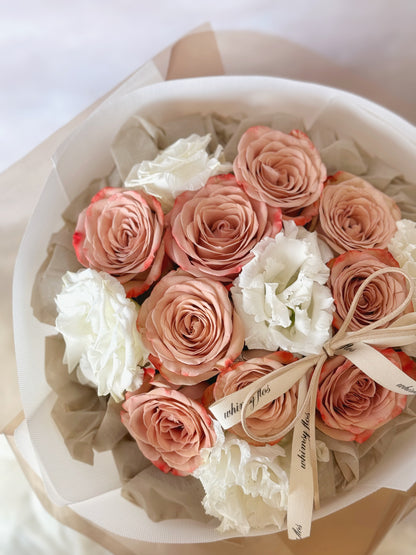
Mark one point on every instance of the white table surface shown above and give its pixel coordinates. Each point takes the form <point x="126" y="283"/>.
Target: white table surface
<point x="58" y="57"/>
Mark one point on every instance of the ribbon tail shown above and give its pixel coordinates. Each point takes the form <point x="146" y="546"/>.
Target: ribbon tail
<point x="379" y="368"/>
<point x="303" y="488"/>
<point x="300" y="502"/>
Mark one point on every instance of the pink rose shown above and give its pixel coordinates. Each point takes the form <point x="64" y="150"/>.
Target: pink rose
<point x="212" y="231"/>
<point x="351" y="405"/>
<point x="380" y="297"/>
<point x="274" y="416"/>
<point x="120" y="233"/>
<point x="169" y="428"/>
<point x="190" y="328"/>
<point x="355" y="215"/>
<point x="282" y="170"/>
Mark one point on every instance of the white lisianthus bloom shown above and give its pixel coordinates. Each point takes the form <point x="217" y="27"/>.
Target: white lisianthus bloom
<point x="281" y="294"/>
<point x="403" y="247"/>
<point x="183" y="166"/>
<point x="246" y="487"/>
<point x="98" y="324"/>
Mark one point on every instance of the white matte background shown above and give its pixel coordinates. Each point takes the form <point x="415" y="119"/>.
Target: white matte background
<point x="57" y="57"/>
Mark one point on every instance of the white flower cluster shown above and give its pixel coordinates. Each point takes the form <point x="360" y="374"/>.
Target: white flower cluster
<point x="281" y="294"/>
<point x="403" y="248"/>
<point x="183" y="166"/>
<point x="98" y="324"/>
<point x="246" y="487"/>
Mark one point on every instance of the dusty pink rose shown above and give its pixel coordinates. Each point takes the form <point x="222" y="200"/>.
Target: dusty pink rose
<point x="380" y="297"/>
<point x="120" y="233"/>
<point x="190" y="328"/>
<point x="272" y="417"/>
<point x="169" y="428"/>
<point x="355" y="215"/>
<point x="283" y="170"/>
<point x="351" y="405"/>
<point x="212" y="231"/>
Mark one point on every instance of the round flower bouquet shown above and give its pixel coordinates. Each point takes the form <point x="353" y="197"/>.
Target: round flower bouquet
<point x="230" y="285"/>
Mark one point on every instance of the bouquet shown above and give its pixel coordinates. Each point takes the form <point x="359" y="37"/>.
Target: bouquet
<point x="235" y="307"/>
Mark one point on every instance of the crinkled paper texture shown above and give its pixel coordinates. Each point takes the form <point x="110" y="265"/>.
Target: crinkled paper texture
<point x="86" y="422"/>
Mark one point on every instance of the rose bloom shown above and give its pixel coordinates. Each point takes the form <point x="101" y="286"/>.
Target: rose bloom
<point x="380" y="297"/>
<point x="211" y="231"/>
<point x="283" y="170"/>
<point x="355" y="215"/>
<point x="120" y="233"/>
<point x="170" y="429"/>
<point x="274" y="416"/>
<point x="190" y="327"/>
<point x="351" y="406"/>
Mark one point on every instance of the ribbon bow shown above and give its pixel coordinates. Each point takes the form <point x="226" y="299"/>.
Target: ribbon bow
<point x="355" y="346"/>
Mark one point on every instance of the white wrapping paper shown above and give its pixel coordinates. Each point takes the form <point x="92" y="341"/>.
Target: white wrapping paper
<point x="93" y="491"/>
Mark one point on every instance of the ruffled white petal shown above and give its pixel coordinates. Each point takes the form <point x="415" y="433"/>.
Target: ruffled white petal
<point x="403" y="247"/>
<point x="98" y="324"/>
<point x="246" y="487"/>
<point x="281" y="294"/>
<point x="183" y="166"/>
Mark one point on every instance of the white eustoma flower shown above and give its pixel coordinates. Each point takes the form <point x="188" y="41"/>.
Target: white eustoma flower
<point x="246" y="487"/>
<point x="403" y="247"/>
<point x="281" y="294"/>
<point x="183" y="166"/>
<point x="98" y="324"/>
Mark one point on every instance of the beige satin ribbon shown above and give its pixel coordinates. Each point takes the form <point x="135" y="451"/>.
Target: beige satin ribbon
<point x="354" y="345"/>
